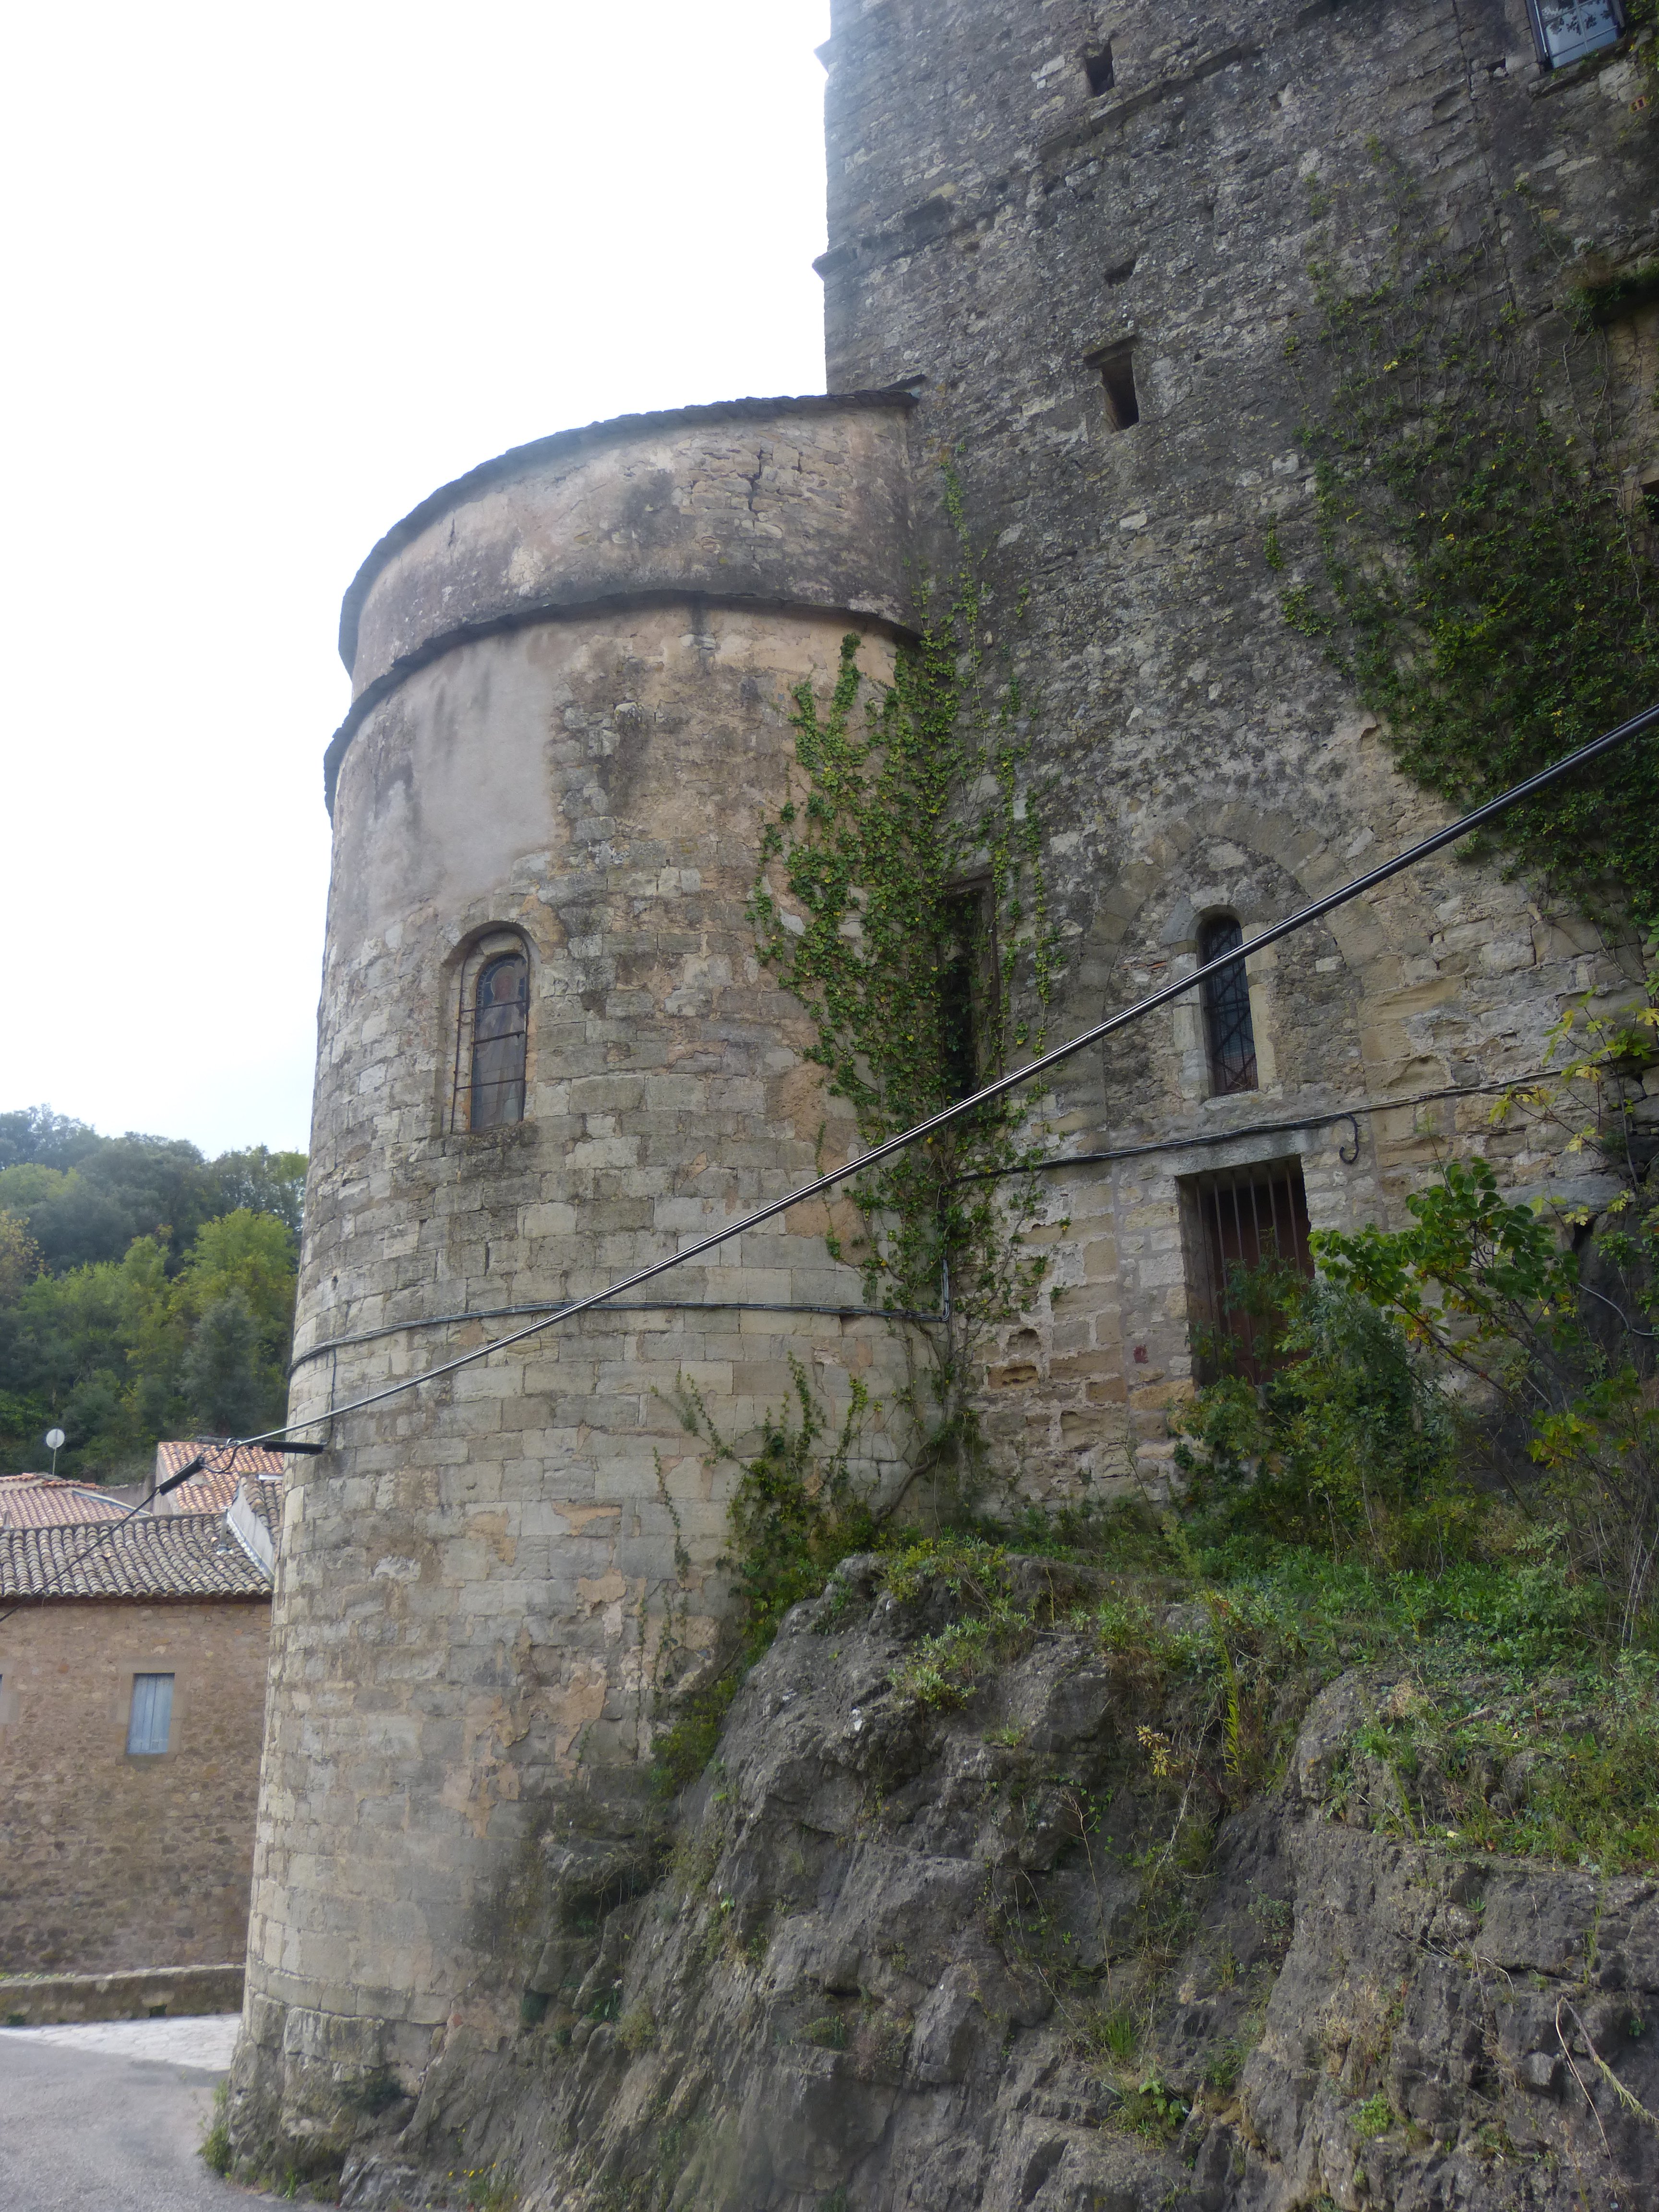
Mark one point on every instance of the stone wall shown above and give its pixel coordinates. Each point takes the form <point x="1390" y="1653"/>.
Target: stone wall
<point x="109" y="1862"/>
<point x="993" y="227"/>
<point x="571" y="677"/>
<point x="486" y="1586"/>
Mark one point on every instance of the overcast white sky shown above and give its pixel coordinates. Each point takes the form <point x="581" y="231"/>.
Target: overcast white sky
<point x="270" y="277"/>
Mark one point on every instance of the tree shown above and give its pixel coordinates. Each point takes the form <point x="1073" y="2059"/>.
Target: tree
<point x="37" y="1135"/>
<point x="261" y="1181"/>
<point x="223" y="1384"/>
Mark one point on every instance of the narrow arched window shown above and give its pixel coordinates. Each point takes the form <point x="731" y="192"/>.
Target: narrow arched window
<point x="1228" y="1034"/>
<point x="500" y="1029"/>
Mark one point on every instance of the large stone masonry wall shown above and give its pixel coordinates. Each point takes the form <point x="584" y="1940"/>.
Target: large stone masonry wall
<point x="486" y="1583"/>
<point x="109" y="1862"/>
<point x="993" y="227"/>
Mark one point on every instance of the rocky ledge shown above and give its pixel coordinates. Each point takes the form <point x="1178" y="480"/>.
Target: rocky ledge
<point x="931" y="1939"/>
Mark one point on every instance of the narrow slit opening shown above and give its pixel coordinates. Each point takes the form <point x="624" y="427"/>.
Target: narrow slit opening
<point x="1117" y="374"/>
<point x="1098" y="68"/>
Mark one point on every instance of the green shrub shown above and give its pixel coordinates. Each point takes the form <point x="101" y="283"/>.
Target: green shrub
<point x="1350" y="1443"/>
<point x="1373" y="2118"/>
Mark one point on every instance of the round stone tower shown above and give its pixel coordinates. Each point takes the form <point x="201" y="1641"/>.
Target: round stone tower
<point x="546" y="1056"/>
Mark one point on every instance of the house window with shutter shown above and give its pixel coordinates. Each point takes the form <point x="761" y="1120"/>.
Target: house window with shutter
<point x="151" y="1721"/>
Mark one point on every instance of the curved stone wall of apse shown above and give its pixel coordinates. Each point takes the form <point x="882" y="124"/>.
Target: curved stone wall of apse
<point x="571" y="673"/>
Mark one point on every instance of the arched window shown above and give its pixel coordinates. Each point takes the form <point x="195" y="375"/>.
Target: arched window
<point x="1227" y="1035"/>
<point x="500" y="1029"/>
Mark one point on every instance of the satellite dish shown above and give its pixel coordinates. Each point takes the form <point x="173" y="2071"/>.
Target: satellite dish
<point x="54" y="1440"/>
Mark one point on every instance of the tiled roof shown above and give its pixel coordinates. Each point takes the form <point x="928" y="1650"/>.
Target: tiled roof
<point x="173" y="1453"/>
<point x="175" y="1555"/>
<point x="50" y="1501"/>
<point x="214" y="1488"/>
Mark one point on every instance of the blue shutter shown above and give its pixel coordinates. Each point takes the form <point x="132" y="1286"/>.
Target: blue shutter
<point x="152" y="1713"/>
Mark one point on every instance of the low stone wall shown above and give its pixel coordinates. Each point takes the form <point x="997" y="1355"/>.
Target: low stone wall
<point x="40" y="2000"/>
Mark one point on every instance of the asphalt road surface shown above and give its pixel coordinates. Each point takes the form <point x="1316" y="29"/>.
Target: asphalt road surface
<point x="106" y="2117"/>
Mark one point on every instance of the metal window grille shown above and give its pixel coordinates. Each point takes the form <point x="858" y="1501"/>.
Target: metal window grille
<point x="1567" y="30"/>
<point x="152" y="1713"/>
<point x="490" y="1045"/>
<point x="1236" y="1221"/>
<point x="1228" y="1030"/>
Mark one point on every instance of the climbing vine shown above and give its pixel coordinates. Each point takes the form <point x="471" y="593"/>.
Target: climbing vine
<point x="900" y="898"/>
<point x="1477" y="577"/>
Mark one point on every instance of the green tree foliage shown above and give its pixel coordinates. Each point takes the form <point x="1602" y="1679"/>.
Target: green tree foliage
<point x="143" y="1290"/>
<point x="219" y="1374"/>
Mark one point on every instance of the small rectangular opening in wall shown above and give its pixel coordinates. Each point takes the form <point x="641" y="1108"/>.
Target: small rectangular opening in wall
<point x="1117" y="374"/>
<point x="1098" y="68"/>
<point x="968" y="986"/>
<point x="1236" y="1223"/>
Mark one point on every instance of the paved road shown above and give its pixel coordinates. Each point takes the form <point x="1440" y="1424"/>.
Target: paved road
<point x="106" y="2117"/>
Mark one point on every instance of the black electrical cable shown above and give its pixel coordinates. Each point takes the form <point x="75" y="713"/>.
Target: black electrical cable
<point x="1317" y="1119"/>
<point x="1636" y="726"/>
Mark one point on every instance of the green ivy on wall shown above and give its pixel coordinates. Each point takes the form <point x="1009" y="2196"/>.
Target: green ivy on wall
<point x="899" y="898"/>
<point x="1477" y="577"/>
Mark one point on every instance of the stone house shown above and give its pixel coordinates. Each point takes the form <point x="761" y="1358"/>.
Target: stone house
<point x="132" y="1690"/>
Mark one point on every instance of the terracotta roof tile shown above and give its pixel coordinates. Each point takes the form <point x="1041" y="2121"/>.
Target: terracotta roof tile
<point x="52" y="1501"/>
<point x="250" y="1459"/>
<point x="214" y="1489"/>
<point x="151" y="1555"/>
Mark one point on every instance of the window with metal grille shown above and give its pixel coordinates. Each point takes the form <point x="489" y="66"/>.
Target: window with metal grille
<point x="1565" y="31"/>
<point x="1237" y="1223"/>
<point x="1228" y="1034"/>
<point x="152" y="1714"/>
<point x="491" y="1039"/>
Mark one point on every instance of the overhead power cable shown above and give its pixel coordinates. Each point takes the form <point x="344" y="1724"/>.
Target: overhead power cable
<point x="1636" y="726"/>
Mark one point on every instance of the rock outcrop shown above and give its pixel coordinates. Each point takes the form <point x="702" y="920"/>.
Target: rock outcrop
<point x="932" y="1943"/>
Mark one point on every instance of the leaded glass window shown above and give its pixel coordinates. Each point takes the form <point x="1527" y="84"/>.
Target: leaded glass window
<point x="500" y="1030"/>
<point x="152" y="1714"/>
<point x="1228" y="1032"/>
